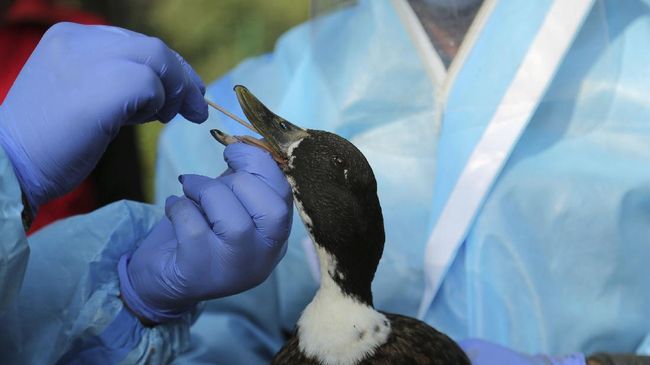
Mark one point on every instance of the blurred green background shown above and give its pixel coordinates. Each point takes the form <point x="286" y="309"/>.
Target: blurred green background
<point x="212" y="35"/>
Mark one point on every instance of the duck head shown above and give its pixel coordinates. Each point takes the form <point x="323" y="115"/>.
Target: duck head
<point x="334" y="190"/>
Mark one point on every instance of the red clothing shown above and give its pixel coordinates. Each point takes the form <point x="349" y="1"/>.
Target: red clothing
<point x="22" y="27"/>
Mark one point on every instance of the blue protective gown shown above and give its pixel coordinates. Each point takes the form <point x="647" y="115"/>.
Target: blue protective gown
<point x="555" y="261"/>
<point x="60" y="303"/>
<point x="14" y="250"/>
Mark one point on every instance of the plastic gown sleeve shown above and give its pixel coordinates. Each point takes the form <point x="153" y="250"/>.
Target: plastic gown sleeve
<point x="68" y="309"/>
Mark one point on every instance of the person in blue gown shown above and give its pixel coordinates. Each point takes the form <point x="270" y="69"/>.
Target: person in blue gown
<point x="122" y="284"/>
<point x="553" y="256"/>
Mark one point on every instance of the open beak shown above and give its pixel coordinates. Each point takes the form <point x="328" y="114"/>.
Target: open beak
<point x="278" y="133"/>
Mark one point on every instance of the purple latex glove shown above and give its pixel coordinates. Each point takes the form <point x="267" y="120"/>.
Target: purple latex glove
<point x="485" y="353"/>
<point x="79" y="86"/>
<point x="223" y="237"/>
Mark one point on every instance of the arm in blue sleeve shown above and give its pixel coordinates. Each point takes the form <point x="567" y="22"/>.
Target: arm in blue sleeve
<point x="14" y="250"/>
<point x="69" y="309"/>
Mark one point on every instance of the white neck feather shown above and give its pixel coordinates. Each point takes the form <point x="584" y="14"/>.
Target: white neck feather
<point x="335" y="328"/>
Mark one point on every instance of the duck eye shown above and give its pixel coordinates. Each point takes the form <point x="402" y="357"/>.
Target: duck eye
<point x="284" y="126"/>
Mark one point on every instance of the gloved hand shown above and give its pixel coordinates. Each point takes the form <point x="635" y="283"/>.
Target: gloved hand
<point x="80" y="85"/>
<point x="485" y="353"/>
<point x="225" y="236"/>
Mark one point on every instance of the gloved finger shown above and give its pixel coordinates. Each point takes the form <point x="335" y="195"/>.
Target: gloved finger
<point x="162" y="231"/>
<point x="196" y="248"/>
<point x="161" y="59"/>
<point x="227" y="172"/>
<point x="196" y="79"/>
<point x="226" y="214"/>
<point x="180" y="82"/>
<point x="194" y="107"/>
<point x="135" y="86"/>
<point x="141" y="49"/>
<point x="112" y="30"/>
<point x="84" y="34"/>
<point x="255" y="161"/>
<point x="270" y="212"/>
<point x="107" y="29"/>
<point x="171" y="200"/>
<point x="187" y="220"/>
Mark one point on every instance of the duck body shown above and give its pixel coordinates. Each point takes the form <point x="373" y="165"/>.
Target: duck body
<point x="411" y="342"/>
<point x="335" y="192"/>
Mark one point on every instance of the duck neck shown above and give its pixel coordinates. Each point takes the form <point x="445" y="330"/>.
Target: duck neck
<point x="341" y="276"/>
<point x="340" y="325"/>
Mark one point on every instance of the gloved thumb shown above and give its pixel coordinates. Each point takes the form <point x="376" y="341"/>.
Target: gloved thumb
<point x="171" y="200"/>
<point x="192" y="232"/>
<point x="257" y="162"/>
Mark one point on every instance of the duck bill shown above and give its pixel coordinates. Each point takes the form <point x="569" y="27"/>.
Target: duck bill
<point x="278" y="133"/>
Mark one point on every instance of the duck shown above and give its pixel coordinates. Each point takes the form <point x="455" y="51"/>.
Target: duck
<point x="335" y="193"/>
